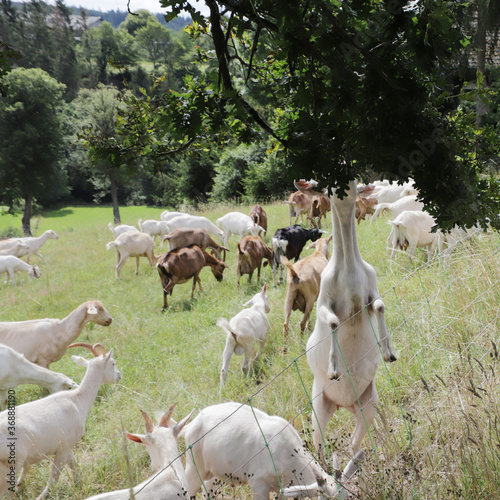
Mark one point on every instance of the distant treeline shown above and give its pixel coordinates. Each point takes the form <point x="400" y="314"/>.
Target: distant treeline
<point x="116" y="17"/>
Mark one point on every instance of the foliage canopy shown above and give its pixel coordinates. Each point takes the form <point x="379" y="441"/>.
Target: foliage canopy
<point x="345" y="89"/>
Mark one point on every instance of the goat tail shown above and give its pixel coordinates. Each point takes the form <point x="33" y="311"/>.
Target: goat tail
<point x="289" y="266"/>
<point x="112" y="244"/>
<point x="224" y="324"/>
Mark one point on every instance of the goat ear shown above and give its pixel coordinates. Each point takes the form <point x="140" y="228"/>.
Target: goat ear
<point x="92" y="309"/>
<point x="180" y="425"/>
<point x="135" y="437"/>
<point x="80" y="361"/>
<point x="264" y="288"/>
<point x="301" y="491"/>
<point x="329" y="238"/>
<point x="249" y="303"/>
<point x="109" y="355"/>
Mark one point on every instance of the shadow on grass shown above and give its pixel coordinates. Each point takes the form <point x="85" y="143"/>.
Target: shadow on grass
<point x="54" y="214"/>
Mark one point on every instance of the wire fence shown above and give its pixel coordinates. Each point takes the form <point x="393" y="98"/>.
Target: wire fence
<point x="437" y="430"/>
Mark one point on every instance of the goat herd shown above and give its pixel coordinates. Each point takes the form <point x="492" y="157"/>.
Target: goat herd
<point x="227" y="439"/>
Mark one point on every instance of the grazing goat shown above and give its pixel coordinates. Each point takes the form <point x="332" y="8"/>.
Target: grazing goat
<point x="238" y="223"/>
<point x="289" y="241"/>
<point x="298" y="205"/>
<point x="250" y="252"/>
<point x="53" y="425"/>
<point x="391" y="193"/>
<point x="182" y="264"/>
<point x="243" y="331"/>
<point x="303" y="281"/>
<point x="364" y="206"/>
<point x="154" y="228"/>
<point x="407" y="203"/>
<point x="120" y="229"/>
<point x="167" y="215"/>
<point x="170" y="481"/>
<point x="9" y="264"/>
<point x="45" y="341"/>
<point x="132" y="244"/>
<point x="34" y="244"/>
<point x="185" y="236"/>
<point x="259" y="216"/>
<point x="187" y="220"/>
<point x="412" y="230"/>
<point x="15" y="369"/>
<point x="243" y="445"/>
<point x="320" y="206"/>
<point x="350" y="317"/>
<point x="13" y="247"/>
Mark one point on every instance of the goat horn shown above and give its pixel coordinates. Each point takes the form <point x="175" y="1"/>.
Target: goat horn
<point x="149" y="423"/>
<point x="101" y="348"/>
<point x="166" y="418"/>
<point x="90" y="347"/>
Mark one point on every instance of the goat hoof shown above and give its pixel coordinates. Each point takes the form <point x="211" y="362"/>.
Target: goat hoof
<point x="333" y="376"/>
<point x="392" y="358"/>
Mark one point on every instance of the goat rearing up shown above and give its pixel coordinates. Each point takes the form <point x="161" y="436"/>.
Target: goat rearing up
<point x="350" y="315"/>
<point x="184" y="263"/>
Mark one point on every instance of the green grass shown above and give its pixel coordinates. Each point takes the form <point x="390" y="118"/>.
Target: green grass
<point x="436" y="434"/>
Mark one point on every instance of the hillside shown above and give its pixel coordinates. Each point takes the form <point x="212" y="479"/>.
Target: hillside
<point x="116" y="17"/>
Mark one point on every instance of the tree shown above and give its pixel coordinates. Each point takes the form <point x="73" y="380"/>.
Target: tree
<point x="356" y="86"/>
<point x="137" y="20"/>
<point x="155" y="39"/>
<point x="43" y="37"/>
<point x="30" y="139"/>
<point x="98" y="111"/>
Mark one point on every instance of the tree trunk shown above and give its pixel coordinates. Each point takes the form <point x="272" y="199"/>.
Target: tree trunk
<point x="481" y="58"/>
<point x="26" y="220"/>
<point x="114" y="200"/>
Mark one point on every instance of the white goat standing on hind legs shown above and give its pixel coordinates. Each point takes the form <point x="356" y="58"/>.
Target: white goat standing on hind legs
<point x="350" y="314"/>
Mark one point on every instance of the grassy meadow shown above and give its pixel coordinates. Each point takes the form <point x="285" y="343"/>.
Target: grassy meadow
<point x="437" y="432"/>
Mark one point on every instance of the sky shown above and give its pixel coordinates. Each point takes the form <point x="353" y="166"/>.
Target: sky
<point x="106" y="5"/>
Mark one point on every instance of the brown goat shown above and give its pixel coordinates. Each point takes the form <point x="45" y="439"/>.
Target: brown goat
<point x="364" y="206"/>
<point x="320" y="206"/>
<point x="184" y="263"/>
<point x="250" y="251"/>
<point x="259" y="216"/>
<point x="303" y="281"/>
<point x="185" y="236"/>
<point x="298" y="204"/>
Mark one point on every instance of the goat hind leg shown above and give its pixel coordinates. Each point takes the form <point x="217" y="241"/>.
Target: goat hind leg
<point x="323" y="410"/>
<point x="364" y="416"/>
<point x="60" y="460"/>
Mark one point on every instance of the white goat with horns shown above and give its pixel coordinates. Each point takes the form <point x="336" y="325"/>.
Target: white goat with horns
<point x="350" y="317"/>
<point x="170" y="480"/>
<point x="52" y="425"/>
